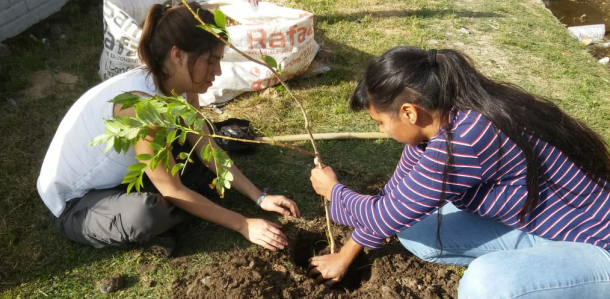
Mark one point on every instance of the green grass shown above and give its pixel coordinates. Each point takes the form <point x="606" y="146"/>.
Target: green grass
<point x="514" y="41"/>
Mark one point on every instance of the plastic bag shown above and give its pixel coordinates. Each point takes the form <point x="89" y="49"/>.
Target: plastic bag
<point x="236" y="128"/>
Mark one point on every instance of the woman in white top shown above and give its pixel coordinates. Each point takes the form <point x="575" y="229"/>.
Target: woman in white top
<point x="81" y="184"/>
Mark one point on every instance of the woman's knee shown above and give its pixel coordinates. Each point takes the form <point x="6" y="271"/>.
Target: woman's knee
<point x="421" y="241"/>
<point x="487" y="277"/>
<point x="147" y="217"/>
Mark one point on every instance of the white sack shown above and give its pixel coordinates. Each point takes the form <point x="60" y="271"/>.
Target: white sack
<point x="285" y="34"/>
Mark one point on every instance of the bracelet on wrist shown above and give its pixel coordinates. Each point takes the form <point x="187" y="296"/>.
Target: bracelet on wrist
<point x="260" y="198"/>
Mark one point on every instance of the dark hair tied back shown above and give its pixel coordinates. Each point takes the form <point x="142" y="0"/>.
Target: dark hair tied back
<point x="166" y="6"/>
<point x="432" y="57"/>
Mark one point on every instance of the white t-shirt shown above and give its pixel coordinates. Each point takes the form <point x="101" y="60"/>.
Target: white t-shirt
<point x="71" y="167"/>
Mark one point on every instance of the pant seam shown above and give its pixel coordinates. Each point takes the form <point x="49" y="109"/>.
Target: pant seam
<point x="559" y="287"/>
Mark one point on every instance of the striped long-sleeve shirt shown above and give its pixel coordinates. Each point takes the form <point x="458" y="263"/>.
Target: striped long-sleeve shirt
<point x="488" y="178"/>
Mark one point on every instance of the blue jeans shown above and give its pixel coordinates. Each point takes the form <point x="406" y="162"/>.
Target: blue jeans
<point x="506" y="263"/>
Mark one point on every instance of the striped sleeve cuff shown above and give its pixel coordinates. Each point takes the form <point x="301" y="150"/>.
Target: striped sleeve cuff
<point x="367" y="240"/>
<point x="340" y="213"/>
<point x="338" y="209"/>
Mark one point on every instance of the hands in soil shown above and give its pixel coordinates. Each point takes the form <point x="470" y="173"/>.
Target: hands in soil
<point x="280" y="204"/>
<point x="329" y="268"/>
<point x="264" y="233"/>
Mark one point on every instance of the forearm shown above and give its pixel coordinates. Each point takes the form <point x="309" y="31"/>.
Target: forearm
<point x="198" y="205"/>
<point x="350" y="250"/>
<point x="240" y="182"/>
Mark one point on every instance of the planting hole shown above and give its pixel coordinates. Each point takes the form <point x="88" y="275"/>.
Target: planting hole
<point x="311" y="244"/>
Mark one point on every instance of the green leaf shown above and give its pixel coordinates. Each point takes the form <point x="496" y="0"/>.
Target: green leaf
<point x="189" y="117"/>
<point x="156" y="146"/>
<point x="130" y="122"/>
<point x="217" y="30"/>
<point x="144" y="157"/>
<point x="112" y="126"/>
<point x="177" y="168"/>
<point x="182" y="138"/>
<point x="198" y="126"/>
<point x="178" y="110"/>
<point x="100" y="139"/>
<point x="170" y="136"/>
<point x="125" y="145"/>
<point x="160" y="157"/>
<point x="153" y="163"/>
<point x="206" y="154"/>
<point x="219" y="18"/>
<point x="225" y="176"/>
<point x="167" y="160"/>
<point x="153" y="110"/>
<point x="130" y="186"/>
<point x="126" y="100"/>
<point x="130" y="133"/>
<point x="118" y="144"/>
<point x="109" y="144"/>
<point x="137" y="167"/>
<point x="221" y="157"/>
<point x="270" y="61"/>
<point x="183" y="156"/>
<point x="131" y="176"/>
<point x="143" y="114"/>
<point x="139" y="183"/>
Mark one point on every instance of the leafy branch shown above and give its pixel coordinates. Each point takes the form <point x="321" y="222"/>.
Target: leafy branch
<point x="271" y="64"/>
<point x="173" y="118"/>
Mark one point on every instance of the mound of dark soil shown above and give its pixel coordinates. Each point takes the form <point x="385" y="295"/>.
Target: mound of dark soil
<point x="391" y="272"/>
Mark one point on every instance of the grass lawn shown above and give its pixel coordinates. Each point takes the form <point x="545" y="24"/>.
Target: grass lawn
<point x="517" y="41"/>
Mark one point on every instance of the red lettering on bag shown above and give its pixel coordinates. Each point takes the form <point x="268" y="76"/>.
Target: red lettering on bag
<point x="277" y="40"/>
<point x="260" y="39"/>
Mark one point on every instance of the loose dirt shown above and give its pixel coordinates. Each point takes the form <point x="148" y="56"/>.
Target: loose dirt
<point x="391" y="272"/>
<point x="45" y="82"/>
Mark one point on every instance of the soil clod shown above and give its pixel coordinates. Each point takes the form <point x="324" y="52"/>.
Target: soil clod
<point x="112" y="284"/>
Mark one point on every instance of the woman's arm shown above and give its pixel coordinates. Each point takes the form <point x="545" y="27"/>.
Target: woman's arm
<point x="413" y="198"/>
<point x="241" y="183"/>
<point x="258" y="231"/>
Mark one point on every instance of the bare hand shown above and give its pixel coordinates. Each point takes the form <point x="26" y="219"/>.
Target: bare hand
<point x="278" y="203"/>
<point x="329" y="269"/>
<point x="323" y="179"/>
<point x="264" y="233"/>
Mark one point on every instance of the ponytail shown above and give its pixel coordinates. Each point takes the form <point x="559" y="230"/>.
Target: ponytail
<point x="147" y="55"/>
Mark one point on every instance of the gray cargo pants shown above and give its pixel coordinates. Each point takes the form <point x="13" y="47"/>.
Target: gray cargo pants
<point x="111" y="217"/>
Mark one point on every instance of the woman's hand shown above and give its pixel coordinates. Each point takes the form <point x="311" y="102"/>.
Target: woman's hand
<point x="264" y="233"/>
<point x="278" y="203"/>
<point x="329" y="269"/>
<point x="323" y="179"/>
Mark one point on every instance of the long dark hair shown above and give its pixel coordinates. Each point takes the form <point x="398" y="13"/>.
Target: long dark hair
<point x="446" y="79"/>
<point x="166" y="27"/>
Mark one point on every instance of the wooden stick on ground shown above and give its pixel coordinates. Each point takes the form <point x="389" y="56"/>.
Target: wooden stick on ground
<point x="326" y="136"/>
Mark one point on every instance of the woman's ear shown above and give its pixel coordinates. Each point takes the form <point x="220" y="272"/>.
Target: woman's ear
<point x="177" y="56"/>
<point x="408" y="113"/>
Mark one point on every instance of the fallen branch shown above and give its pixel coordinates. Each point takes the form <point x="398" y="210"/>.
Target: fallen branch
<point x="326" y="136"/>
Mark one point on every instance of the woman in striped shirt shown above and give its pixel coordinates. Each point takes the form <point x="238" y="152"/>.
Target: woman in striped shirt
<point x="520" y="188"/>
